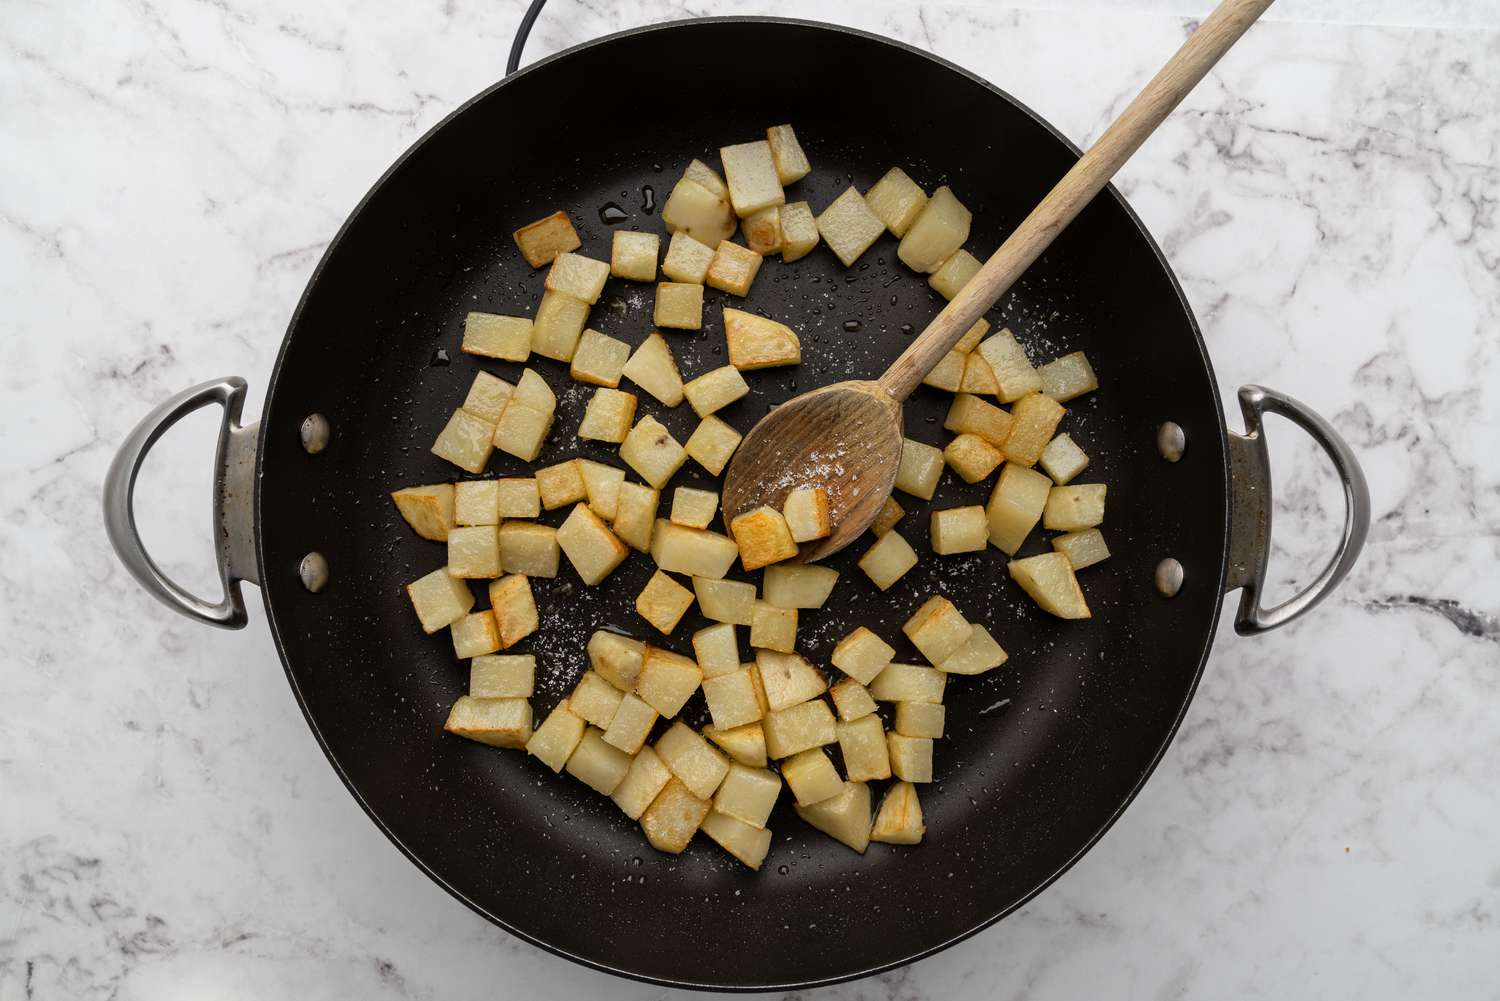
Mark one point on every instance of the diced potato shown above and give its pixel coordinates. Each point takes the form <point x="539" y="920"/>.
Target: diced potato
<point x="940" y="229"/>
<point x="786" y="153"/>
<point x="960" y="530"/>
<point x="733" y="268"/>
<point x="1083" y="549"/>
<point x="980" y="653"/>
<point x="528" y="548"/>
<point x="601" y="485"/>
<point x="899" y="821"/>
<point x="911" y="757"/>
<point x="599" y="359"/>
<point x="748" y="794"/>
<point x="728" y="601"/>
<point x="503" y="676"/>
<point x="475" y="635"/>
<point x="431" y="510"/>
<point x="811" y="776"/>
<point x="1016" y="506"/>
<point x="532" y="390"/>
<point x="920" y="719"/>
<point x="517" y="497"/>
<point x="718" y="653"/>
<point x="705" y="175"/>
<point x="692" y="551"/>
<point x="908" y="683"/>
<point x="608" y="416"/>
<point x="653" y="368"/>
<point x="1073" y="509"/>
<point x="715" y="390"/>
<point x="475" y="502"/>
<point x="522" y="430"/>
<point x="679" y="306"/>
<point x="972" y="458"/>
<point x="474" y="551"/>
<point x="845" y="817"/>
<point x="748" y="844"/>
<point x="651" y="451"/>
<point x="692" y="759"/>
<point x="598" y="765"/>
<point x="790" y="731"/>
<point x="616" y="658"/>
<point x="590" y="546"/>
<point x="465" y="442"/>
<point x="937" y="629"/>
<point x="888" y="560"/>
<point x="667" y="680"/>
<point x="954" y="273"/>
<point x="978" y="377"/>
<point x="1062" y="459"/>
<point x="971" y="338"/>
<point x="745" y="744"/>
<point x="645" y="779"/>
<point x="487" y="397"/>
<point x="763" y="538"/>
<point x="490" y="335"/>
<point x="787" y="679"/>
<point x="799" y="231"/>
<point x="897" y="200"/>
<point x="762" y="231"/>
<point x="806" y="512"/>
<point x="693" y="209"/>
<point x="750" y="171"/>
<point x="560" y="485"/>
<point x="862" y="655"/>
<point x="970" y="415"/>
<point x="577" y="276"/>
<point x="799" y="585"/>
<point x="849" y="227"/>
<point x="635" y="515"/>
<point x="756" y="342"/>
<point x="595" y="700"/>
<point x="498" y="722"/>
<point x="543" y="240"/>
<point x="1067" y="377"/>
<point x="632" y="256"/>
<point x="687" y="260"/>
<point x="693" y="508"/>
<point x="947" y="374"/>
<point x="885" y="520"/>
<point x="631" y="724"/>
<point x="731" y="699"/>
<point x="1035" y="420"/>
<point x="920" y="469"/>
<point x="862" y="742"/>
<point x="1014" y="376"/>
<point x="514" y="608"/>
<point x="773" y="628"/>
<point x="673" y="817"/>
<point x="663" y="602"/>
<point x="1049" y="580"/>
<point x="851" y="699"/>
<point x="712" y="443"/>
<point x="555" y="740"/>
<point x="558" y="325"/>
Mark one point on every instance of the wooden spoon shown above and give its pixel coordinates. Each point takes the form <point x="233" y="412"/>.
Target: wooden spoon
<point x="846" y="438"/>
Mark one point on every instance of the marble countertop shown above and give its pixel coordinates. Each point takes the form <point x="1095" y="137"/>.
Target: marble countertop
<point x="1326" y="824"/>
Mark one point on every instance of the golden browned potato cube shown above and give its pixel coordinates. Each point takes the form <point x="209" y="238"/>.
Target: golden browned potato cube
<point x="947" y="374"/>
<point x="647" y="777"/>
<point x="631" y="724"/>
<point x="954" y="273"/>
<point x="667" y="680"/>
<point x="756" y="342"/>
<point x="1083" y="549"/>
<point x="714" y="390"/>
<point x="653" y="368"/>
<point x="490" y="335"/>
<point x="687" y="260"/>
<point x="849" y="227"/>
<point x="851" y="699"/>
<point x="596" y="764"/>
<point x="498" y="722"/>
<point x="590" y="546"/>
<point x="811" y="776"/>
<point x="465" y="442"/>
<point x="522" y="430"/>
<point x="731" y="699"/>
<point x="798" y="585"/>
<point x="799" y="231"/>
<point x="786" y="153"/>
<point x="972" y="458"/>
<point x="577" y="276"/>
<point x="937" y="629"/>
<point x="608" y="416"/>
<point x="862" y="742"/>
<point x="960" y="530"/>
<point x="899" y="821"/>
<point x="601" y="485"/>
<point x="635" y="515"/>
<point x="476" y="502"/>
<point x="474" y="551"/>
<point x="693" y="209"/>
<point x="431" y="510"/>
<point x="716" y="649"/>
<point x="845" y="817"/>
<point x="554" y="741"/>
<point x="730" y="601"/>
<point x="911" y="757"/>
<point x="561" y="484"/>
<point x="514" y="608"/>
<point x="888" y="560"/>
<point x="971" y="338"/>
<point x="651" y="451"/>
<point x="1062" y="459"/>
<point x="748" y="793"/>
<point x="712" y="443"/>
<point x="750" y="172"/>
<point x="763" y="538"/>
<point x="616" y="658"/>
<point x="558" y="325"/>
<point x="528" y="548"/>
<point x="475" y="635"/>
<point x="745" y="744"/>
<point x="673" y="817"/>
<point x="1014" y="376"/>
<point x="692" y="551"/>
<point x="979" y="653"/>
<point x="746" y="843"/>
<point x="599" y="359"/>
<point x="970" y="415"/>
<point x="733" y="268"/>
<point x="939" y="230"/>
<point x="920" y="469"/>
<point x="703" y="174"/>
<point x="762" y="230"/>
<point x="897" y="200"/>
<point x="1075" y="508"/>
<point x="773" y="628"/>
<point x="1016" y="506"/>
<point x="806" y="512"/>
<point x="908" y="683"/>
<point x="1035" y="419"/>
<point x="692" y="759"/>
<point x="679" y="306"/>
<point x="693" y="508"/>
<point x="805" y="725"/>
<point x="920" y="719"/>
<point x="1067" y="377"/>
<point x="632" y="256"/>
<point x="543" y="240"/>
<point x="503" y="676"/>
<point x="787" y="679"/>
<point x="885" y="520"/>
<point x="595" y="700"/>
<point x="663" y="602"/>
<point x="1049" y="580"/>
<point x="487" y="397"/>
<point x="978" y="376"/>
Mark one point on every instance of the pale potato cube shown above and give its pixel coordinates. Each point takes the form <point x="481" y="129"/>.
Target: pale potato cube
<point x="954" y="273"/>
<point x="663" y="602"/>
<point x="715" y="390"/>
<point x="679" y="306"/>
<point x="806" y="512"/>
<point x="673" y="817"/>
<point x="598" y="765"/>
<point x="1014" y="376"/>
<point x="522" y="430"/>
<point x="911" y="757"/>
<point x="1016" y="506"/>
<point x="747" y="843"/>
<point x="645" y="779"/>
<point x="517" y="497"/>
<point x="972" y="458"/>
<point x="667" y="680"/>
<point x="653" y="368"/>
<point x="799" y="231"/>
<point x="475" y="635"/>
<point x="862" y="655"/>
<point x="799" y="585"/>
<point x="968" y="414"/>
<point x="920" y="719"/>
<point x="476" y="502"/>
<point x="978" y="377"/>
<point x="632" y="256"/>
<point x="705" y="175"/>
<point x="748" y="794"/>
<point x="528" y="548"/>
<point x="885" y="519"/>
<point x="980" y="653"/>
<point x="514" y="608"/>
<point x="1067" y="377"/>
<point x="560" y="485"/>
<point x="601" y="485"/>
<point x="862" y="743"/>
<point x="712" y="443"/>
<point x="474" y="551"/>
<point x="1083" y="549"/>
<point x="845" y="817"/>
<point x="756" y="342"/>
<point x="1035" y="420"/>
<point x="693" y="209"/>
<point x="555" y="740"/>
<point x="899" y="821"/>
<point x="608" y="416"/>
<point x="599" y="359"/>
<point x="787" y="679"/>
<point x="490" y="335"/>
<point x="431" y="510"/>
<point x="960" y="530"/>
<point x="693" y="508"/>
<point x="947" y="374"/>
<point x="465" y="442"/>
<point x="631" y="724"/>
<point x="851" y="699"/>
<point x="1049" y="580"/>
<point x="897" y="200"/>
<point x="940" y="229"/>
<point x="937" y="629"/>
<point x="651" y="451"/>
<point x="1072" y="509"/>
<point x="888" y="560"/>
<point x="773" y="628"/>
<point x="543" y="240"/>
<point x="790" y="731"/>
<point x="590" y="546"/>
<point x="532" y="390"/>
<point x="729" y="601"/>
<point x="616" y="658"/>
<point x="811" y="776"/>
<point x="502" y="676"/>
<point x="487" y="397"/>
<point x="692" y="551"/>
<point x="558" y="325"/>
<point x="920" y="469"/>
<point x="577" y="276"/>
<point x="731" y="699"/>
<point x="750" y="172"/>
<point x="1062" y="459"/>
<point x="971" y="338"/>
<point x="786" y="153"/>
<point x="687" y="260"/>
<point x="849" y="227"/>
<point x="763" y="538"/>
<point x="762" y="231"/>
<point x="498" y="722"/>
<point x="595" y="700"/>
<point x="716" y="649"/>
<point x="733" y="268"/>
<point x="635" y="515"/>
<point x="908" y="683"/>
<point x="745" y="744"/>
<point x="692" y="759"/>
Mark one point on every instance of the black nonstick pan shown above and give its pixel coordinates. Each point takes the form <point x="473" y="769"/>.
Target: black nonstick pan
<point x="1041" y="755"/>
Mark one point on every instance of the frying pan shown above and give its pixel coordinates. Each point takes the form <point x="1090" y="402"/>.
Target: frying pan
<point x="1041" y="756"/>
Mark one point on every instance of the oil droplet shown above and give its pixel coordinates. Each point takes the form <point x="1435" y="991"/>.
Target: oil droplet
<point x="907" y="329"/>
<point x="656" y="167"/>
<point x="782" y="870"/>
<point x="637" y="860"/>
<point x="648" y="199"/>
<point x="852" y="326"/>
<point x="440" y="358"/>
<point x="610" y="214"/>
<point x="893" y="300"/>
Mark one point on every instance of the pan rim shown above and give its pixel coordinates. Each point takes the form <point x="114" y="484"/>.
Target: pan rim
<point x="604" y="967"/>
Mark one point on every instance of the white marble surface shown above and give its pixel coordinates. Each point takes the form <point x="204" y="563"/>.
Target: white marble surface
<point x="1327" y="824"/>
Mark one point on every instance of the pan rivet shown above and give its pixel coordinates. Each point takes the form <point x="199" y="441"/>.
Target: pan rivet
<point x="1169" y="577"/>
<point x="313" y="570"/>
<point x="315" y="432"/>
<point x="1170" y="441"/>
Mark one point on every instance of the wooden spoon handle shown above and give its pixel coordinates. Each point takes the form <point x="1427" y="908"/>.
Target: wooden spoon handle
<point x="1076" y="189"/>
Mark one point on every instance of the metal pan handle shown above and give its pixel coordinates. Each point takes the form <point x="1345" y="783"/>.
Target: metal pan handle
<point x="1250" y="511"/>
<point x="234" y="482"/>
